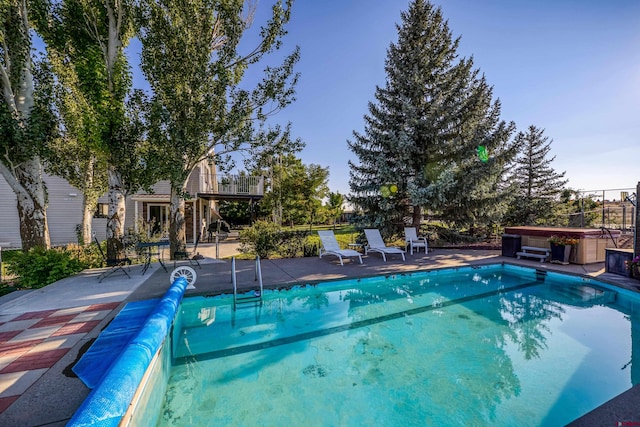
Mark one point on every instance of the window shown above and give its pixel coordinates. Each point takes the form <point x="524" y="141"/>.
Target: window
<point x="102" y="211"/>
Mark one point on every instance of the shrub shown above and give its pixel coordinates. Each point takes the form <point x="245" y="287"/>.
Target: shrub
<point x="291" y="243"/>
<point x="89" y="256"/>
<point x="439" y="235"/>
<point x="39" y="267"/>
<point x="310" y="248"/>
<point x="261" y="239"/>
<point x="268" y="240"/>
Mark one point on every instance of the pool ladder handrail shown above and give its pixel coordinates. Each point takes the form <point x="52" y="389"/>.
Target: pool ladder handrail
<point x="257" y="295"/>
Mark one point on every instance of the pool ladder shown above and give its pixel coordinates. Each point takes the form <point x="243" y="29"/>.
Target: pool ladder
<point x="256" y="297"/>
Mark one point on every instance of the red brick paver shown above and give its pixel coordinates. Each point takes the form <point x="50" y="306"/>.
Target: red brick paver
<point x="36" y="360"/>
<point x="23" y="349"/>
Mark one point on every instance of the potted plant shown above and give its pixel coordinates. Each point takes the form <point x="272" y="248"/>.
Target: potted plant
<point x="633" y="267"/>
<point x="561" y="248"/>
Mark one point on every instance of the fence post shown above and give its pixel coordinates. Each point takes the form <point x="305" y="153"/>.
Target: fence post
<point x="636" y="236"/>
<point x="603" y="217"/>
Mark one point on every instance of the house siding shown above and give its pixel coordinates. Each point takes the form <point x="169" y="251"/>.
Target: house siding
<point x="64" y="212"/>
<point x="9" y="222"/>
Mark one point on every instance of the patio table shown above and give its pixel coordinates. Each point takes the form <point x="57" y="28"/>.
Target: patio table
<point x="149" y="249"/>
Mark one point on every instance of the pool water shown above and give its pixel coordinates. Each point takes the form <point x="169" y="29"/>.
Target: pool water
<point x="497" y="345"/>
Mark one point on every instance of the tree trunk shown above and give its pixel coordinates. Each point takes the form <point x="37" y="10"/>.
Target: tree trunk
<point x="116" y="216"/>
<point x="417" y="217"/>
<point x="177" y="232"/>
<point x="89" y="204"/>
<point x="26" y="179"/>
<point x="88" y="208"/>
<point x="32" y="203"/>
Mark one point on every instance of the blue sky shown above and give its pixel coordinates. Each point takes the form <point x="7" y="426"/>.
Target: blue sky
<point x="571" y="67"/>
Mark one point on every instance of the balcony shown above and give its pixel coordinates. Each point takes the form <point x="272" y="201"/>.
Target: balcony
<point x="233" y="186"/>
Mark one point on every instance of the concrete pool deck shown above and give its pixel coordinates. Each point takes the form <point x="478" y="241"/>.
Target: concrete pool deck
<point x="44" y="332"/>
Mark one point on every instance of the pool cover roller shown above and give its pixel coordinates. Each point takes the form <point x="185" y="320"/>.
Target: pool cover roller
<point x="109" y="401"/>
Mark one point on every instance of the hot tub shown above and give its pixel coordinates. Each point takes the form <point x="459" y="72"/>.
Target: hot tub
<point x="591" y="247"/>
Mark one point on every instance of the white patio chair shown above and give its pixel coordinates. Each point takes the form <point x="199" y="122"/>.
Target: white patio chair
<point x="330" y="246"/>
<point x="411" y="240"/>
<point x="376" y="244"/>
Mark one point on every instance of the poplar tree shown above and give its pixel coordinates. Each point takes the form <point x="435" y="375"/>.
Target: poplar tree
<point x="539" y="186"/>
<point x="27" y="123"/>
<point x="422" y="135"/>
<point x="75" y="154"/>
<point x="86" y="41"/>
<point x="199" y="107"/>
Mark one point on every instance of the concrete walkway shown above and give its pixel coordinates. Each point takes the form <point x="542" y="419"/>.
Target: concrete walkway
<point x="44" y="332"/>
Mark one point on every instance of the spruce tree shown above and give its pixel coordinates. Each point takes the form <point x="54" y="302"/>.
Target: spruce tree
<point x="539" y="186"/>
<point x="421" y="136"/>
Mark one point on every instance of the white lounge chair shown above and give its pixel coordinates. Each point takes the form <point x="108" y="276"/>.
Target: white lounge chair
<point x="411" y="240"/>
<point x="376" y="244"/>
<point x="330" y="246"/>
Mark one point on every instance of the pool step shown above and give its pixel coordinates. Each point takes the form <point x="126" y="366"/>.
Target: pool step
<point x="585" y="295"/>
<point x="254" y="296"/>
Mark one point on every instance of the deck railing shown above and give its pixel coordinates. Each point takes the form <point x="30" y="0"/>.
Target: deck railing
<point x="231" y="184"/>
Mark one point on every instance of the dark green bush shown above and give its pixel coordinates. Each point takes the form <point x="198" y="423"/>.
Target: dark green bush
<point x="291" y="243"/>
<point x="260" y="239"/>
<point x="310" y="249"/>
<point x="268" y="240"/>
<point x="89" y="255"/>
<point x="441" y="235"/>
<point x="39" y="267"/>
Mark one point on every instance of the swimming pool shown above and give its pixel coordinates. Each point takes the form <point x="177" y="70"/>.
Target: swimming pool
<point x="492" y="345"/>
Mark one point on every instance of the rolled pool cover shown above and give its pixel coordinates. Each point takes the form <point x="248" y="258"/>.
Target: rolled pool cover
<point x="109" y="401"/>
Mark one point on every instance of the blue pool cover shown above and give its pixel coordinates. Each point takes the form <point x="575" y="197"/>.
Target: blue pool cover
<point x="95" y="362"/>
<point x="110" y="399"/>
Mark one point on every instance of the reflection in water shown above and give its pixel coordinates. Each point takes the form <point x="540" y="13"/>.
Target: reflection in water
<point x="453" y="351"/>
<point x="527" y="315"/>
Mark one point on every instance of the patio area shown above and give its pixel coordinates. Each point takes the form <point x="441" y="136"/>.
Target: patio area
<point x="44" y="332"/>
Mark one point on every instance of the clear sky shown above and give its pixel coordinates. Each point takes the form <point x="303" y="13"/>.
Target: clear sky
<point x="571" y="67"/>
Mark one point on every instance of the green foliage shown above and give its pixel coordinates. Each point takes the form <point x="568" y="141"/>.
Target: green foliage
<point x="421" y="138"/>
<point x="237" y="212"/>
<point x="442" y="235"/>
<point x="39" y="267"/>
<point x="200" y="103"/>
<point x="311" y="247"/>
<point x="260" y="239"/>
<point x="297" y="191"/>
<point x="291" y="243"/>
<point x="335" y="206"/>
<point x="575" y="210"/>
<point x="538" y="186"/>
<point x="102" y="136"/>
<point x="27" y="120"/>
<point x="268" y="240"/>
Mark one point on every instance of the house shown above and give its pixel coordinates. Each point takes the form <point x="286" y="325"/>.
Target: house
<point x="64" y="211"/>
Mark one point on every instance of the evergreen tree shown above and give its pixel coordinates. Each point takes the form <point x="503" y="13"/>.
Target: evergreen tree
<point x="480" y="194"/>
<point x="539" y="186"/>
<point x="422" y="135"/>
